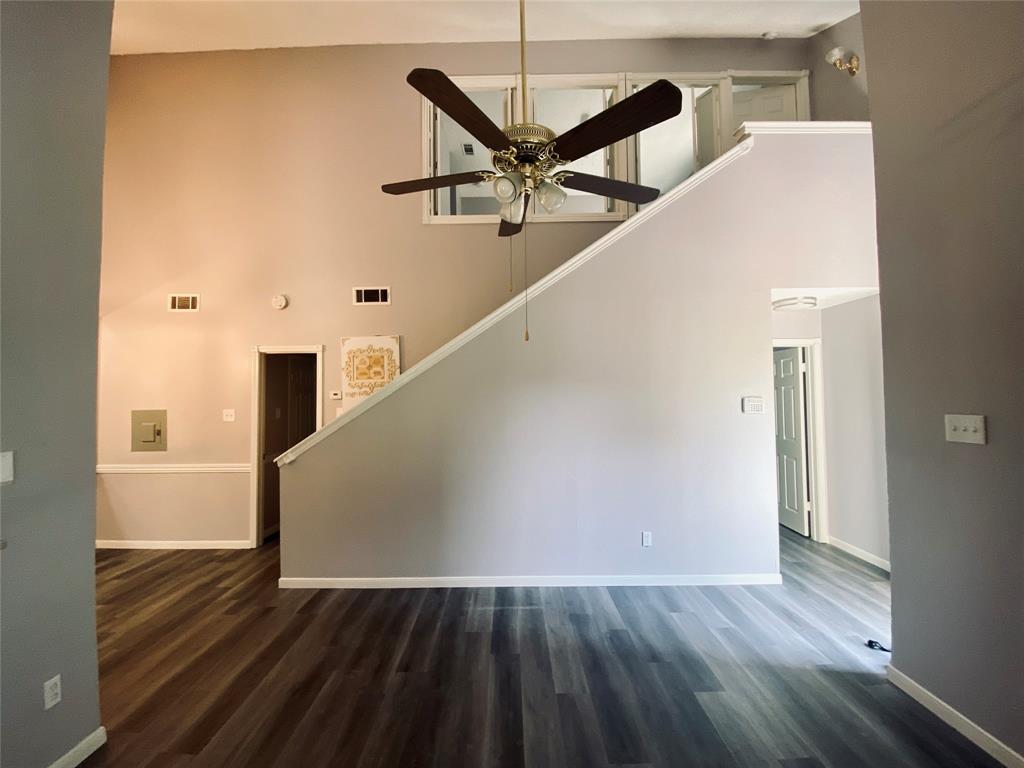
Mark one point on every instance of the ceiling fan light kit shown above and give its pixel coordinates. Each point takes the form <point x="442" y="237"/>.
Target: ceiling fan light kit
<point x="526" y="156"/>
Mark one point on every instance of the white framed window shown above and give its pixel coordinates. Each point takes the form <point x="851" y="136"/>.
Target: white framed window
<point x="715" y="104"/>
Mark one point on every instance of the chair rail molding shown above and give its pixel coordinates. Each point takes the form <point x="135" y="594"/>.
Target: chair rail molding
<point x="169" y="469"/>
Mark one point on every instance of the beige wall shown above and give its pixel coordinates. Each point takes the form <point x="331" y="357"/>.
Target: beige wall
<point x="240" y="175"/>
<point x="547" y="459"/>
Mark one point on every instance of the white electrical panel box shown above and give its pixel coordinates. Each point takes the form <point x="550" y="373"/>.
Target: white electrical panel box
<point x="752" y="404"/>
<point x="965" y="428"/>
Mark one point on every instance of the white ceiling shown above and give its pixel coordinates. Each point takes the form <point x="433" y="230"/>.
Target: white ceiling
<point x="153" y="26"/>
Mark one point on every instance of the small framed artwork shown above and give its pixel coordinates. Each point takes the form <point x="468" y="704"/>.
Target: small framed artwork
<point x="368" y="364"/>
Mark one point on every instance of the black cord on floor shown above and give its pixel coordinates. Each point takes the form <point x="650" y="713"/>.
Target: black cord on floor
<point x="876" y="646"/>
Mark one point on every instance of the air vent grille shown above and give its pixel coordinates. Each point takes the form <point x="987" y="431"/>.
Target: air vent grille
<point x="183" y="302"/>
<point x="467" y="150"/>
<point x="377" y="295"/>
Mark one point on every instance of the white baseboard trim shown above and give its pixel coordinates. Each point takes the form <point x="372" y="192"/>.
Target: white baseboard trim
<point x="997" y="749"/>
<point x="415" y="582"/>
<point x="859" y="553"/>
<point x="78" y="753"/>
<point x="185" y="544"/>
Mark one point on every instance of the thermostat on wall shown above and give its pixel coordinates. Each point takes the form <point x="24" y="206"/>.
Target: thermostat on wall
<point x="752" y="404"/>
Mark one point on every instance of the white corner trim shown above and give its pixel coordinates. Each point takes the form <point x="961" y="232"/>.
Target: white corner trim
<point x="859" y="553"/>
<point x="168" y="469"/>
<point x="796" y="127"/>
<point x="414" y="582"/>
<point x="951" y="717"/>
<point x="516" y="302"/>
<point x="182" y="544"/>
<point x="78" y="753"/>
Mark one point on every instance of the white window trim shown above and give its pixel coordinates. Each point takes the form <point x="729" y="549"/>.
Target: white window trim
<point x="624" y="161"/>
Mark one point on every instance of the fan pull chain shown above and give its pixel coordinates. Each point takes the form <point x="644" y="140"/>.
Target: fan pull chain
<point x="526" y="292"/>
<point x="511" y="267"/>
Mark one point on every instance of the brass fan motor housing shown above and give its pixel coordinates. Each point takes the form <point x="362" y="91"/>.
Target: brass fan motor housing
<point x="530" y="142"/>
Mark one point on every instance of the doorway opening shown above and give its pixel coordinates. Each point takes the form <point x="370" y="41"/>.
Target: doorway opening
<point x="287" y="408"/>
<point x="830" y="400"/>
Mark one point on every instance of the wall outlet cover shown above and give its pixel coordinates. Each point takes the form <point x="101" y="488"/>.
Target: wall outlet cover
<point x="51" y="692"/>
<point x="229" y="414"/>
<point x="7" y="467"/>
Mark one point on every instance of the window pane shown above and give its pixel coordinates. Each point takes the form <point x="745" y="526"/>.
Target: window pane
<point x="561" y="109"/>
<point x="457" y="152"/>
<point x="667" y="152"/>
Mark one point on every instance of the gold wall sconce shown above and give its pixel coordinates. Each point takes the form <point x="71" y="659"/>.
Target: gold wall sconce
<point x="836" y="57"/>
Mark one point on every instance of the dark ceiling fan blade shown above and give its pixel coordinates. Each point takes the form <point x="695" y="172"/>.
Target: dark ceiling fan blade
<point x="657" y="102"/>
<point x="509" y="228"/>
<point x="620" y="190"/>
<point x="435" y="85"/>
<point x="434" y="182"/>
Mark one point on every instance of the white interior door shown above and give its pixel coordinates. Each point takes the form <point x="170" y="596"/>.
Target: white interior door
<point x="774" y="102"/>
<point x="790" y="440"/>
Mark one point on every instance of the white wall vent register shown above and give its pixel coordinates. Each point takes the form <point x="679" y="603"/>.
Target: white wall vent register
<point x="183" y="302"/>
<point x="378" y="295"/>
<point x="752" y="404"/>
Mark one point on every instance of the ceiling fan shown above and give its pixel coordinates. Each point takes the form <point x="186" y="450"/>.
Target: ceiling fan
<point x="526" y="155"/>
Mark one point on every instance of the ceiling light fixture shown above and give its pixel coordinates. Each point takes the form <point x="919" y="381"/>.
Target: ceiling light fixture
<point x="836" y="57"/>
<point x="526" y="156"/>
<point x="795" y="302"/>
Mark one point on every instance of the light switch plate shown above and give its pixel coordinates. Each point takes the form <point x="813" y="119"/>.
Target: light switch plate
<point x="965" y="428"/>
<point x="646" y="538"/>
<point x="229" y="414"/>
<point x="7" y="467"/>
<point x="335" y="394"/>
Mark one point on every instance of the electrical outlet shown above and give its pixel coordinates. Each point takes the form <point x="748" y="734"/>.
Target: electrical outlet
<point x="228" y="414"/>
<point x="51" y="692"/>
<point x="646" y="538"/>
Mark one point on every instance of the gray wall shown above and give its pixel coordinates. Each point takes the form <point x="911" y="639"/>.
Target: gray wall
<point x="851" y="347"/>
<point x="55" y="60"/>
<point x="622" y="412"/>
<point x="239" y="175"/>
<point x="947" y="103"/>
<point x="834" y="94"/>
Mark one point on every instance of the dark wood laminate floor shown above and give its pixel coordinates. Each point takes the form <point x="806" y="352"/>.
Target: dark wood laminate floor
<point x="204" y="662"/>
